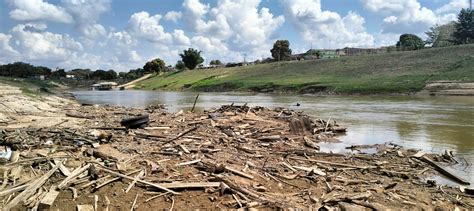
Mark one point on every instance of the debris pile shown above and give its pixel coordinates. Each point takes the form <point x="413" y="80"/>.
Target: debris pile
<point x="231" y="157"/>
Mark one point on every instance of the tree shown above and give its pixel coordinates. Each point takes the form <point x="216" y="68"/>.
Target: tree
<point x="191" y="58"/>
<point x="180" y="65"/>
<point x="410" y="42"/>
<point x="215" y="62"/>
<point x="281" y="50"/>
<point x="441" y="36"/>
<point x="464" y="32"/>
<point x="432" y="35"/>
<point x="155" y="66"/>
<point x="60" y="73"/>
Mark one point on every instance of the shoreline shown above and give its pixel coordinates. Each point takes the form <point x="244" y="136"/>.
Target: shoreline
<point x="253" y="156"/>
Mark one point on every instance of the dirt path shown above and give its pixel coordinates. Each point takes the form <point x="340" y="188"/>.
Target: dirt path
<point x="131" y="84"/>
<point x="449" y="88"/>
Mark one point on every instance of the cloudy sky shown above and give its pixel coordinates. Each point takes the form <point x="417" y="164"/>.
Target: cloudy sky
<point x="124" y="34"/>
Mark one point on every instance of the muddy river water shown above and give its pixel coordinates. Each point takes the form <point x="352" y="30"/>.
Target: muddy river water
<point x="430" y="123"/>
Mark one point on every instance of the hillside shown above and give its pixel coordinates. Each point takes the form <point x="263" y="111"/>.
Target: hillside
<point x="397" y="72"/>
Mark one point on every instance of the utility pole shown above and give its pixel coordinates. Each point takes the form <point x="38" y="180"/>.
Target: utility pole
<point x="470" y="5"/>
<point x="245" y="58"/>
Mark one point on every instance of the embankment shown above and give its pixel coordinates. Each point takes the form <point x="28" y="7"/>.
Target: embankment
<point x="397" y="72"/>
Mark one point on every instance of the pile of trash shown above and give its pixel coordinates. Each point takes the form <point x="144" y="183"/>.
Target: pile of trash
<point x="226" y="158"/>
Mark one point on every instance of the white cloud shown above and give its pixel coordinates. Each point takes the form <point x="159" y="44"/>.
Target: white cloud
<point x="326" y="29"/>
<point x="180" y="38"/>
<point x="38" y="10"/>
<point x="35" y="44"/>
<point x="6" y="50"/>
<point x="453" y="7"/>
<point x="173" y="16"/>
<point x="145" y="26"/>
<point x="408" y="16"/>
<point x="86" y="14"/>
<point x="239" y="26"/>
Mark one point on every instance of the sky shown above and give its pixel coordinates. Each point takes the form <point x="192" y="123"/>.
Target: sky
<point x="124" y="34"/>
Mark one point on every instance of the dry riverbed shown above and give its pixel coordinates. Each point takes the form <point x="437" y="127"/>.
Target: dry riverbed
<point x="68" y="157"/>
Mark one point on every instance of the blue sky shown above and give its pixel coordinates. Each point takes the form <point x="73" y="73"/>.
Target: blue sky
<point x="124" y="34"/>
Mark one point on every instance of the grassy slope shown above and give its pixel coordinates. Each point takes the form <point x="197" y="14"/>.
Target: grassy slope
<point x="30" y="87"/>
<point x="397" y="72"/>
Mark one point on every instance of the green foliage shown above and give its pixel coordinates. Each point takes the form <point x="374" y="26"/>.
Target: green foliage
<point x="134" y="74"/>
<point x="191" y="58"/>
<point x="410" y="42"/>
<point x="81" y="73"/>
<point x="104" y="75"/>
<point x="180" y="65"/>
<point x="281" y="50"/>
<point x="155" y="66"/>
<point x="60" y="73"/>
<point x="23" y="70"/>
<point x="464" y="33"/>
<point x="432" y="35"/>
<point x="215" y="62"/>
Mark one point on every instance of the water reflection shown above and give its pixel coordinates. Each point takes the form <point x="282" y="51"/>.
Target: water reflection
<point x="428" y="123"/>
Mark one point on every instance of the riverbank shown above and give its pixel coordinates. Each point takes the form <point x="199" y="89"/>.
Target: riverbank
<point x="390" y="73"/>
<point x="230" y="157"/>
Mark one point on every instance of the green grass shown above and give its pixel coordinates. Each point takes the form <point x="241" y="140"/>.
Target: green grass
<point x="397" y="72"/>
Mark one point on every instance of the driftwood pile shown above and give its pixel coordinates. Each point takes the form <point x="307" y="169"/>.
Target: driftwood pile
<point x="231" y="157"/>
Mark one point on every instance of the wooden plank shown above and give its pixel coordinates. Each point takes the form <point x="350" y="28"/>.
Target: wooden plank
<point x="446" y="172"/>
<point x="85" y="207"/>
<point x="30" y="190"/>
<point x="48" y="200"/>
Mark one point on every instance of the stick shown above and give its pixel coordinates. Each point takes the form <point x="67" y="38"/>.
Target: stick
<point x="138" y="180"/>
<point x="334" y="164"/>
<point x="189" y="162"/>
<point x="111" y="180"/>
<point x="139" y="175"/>
<point x="179" y="185"/>
<point x="195" y="100"/>
<point x="179" y="136"/>
<point x="134" y="202"/>
<point x="154" y="197"/>
<point x="74" y="174"/>
<point x="235" y="171"/>
<point x="31" y="189"/>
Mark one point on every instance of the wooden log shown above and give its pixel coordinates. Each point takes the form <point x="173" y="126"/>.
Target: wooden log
<point x="240" y="173"/>
<point x="270" y="138"/>
<point x="138" y="180"/>
<point x="442" y="169"/>
<point x="309" y="143"/>
<point x="31" y="189"/>
<point x="14" y="190"/>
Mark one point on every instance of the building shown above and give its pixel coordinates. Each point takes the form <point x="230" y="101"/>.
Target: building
<point x="104" y="86"/>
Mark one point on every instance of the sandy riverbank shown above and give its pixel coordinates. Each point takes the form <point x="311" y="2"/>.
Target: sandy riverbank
<point x="225" y="158"/>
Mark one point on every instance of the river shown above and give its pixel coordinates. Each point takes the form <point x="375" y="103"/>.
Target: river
<point x="430" y="123"/>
